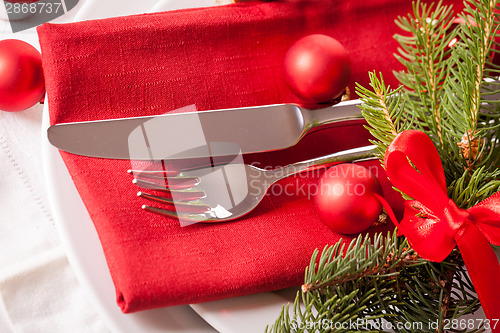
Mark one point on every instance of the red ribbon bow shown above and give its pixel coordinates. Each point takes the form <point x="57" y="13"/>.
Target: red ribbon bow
<point x="444" y="225"/>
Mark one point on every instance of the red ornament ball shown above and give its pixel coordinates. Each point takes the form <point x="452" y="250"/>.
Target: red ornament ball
<point x="317" y="68"/>
<point x="21" y="75"/>
<point x="345" y="201"/>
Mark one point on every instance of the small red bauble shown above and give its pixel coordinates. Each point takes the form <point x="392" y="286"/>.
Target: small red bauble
<point x="317" y="68"/>
<point x="21" y="75"/>
<point x="345" y="201"/>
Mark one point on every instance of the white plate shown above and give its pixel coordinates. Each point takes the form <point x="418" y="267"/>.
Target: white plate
<point x="248" y="314"/>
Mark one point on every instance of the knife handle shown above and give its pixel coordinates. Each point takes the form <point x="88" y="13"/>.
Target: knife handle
<point x="343" y="111"/>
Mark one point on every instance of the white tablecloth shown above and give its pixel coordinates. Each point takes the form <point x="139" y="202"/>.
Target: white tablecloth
<point x="39" y="291"/>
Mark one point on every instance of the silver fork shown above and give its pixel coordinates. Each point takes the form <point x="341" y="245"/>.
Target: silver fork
<point x="225" y="192"/>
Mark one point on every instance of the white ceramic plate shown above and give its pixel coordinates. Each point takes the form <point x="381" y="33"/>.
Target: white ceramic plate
<point x="248" y="314"/>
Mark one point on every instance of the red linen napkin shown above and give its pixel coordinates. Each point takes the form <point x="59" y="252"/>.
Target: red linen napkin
<point x="221" y="57"/>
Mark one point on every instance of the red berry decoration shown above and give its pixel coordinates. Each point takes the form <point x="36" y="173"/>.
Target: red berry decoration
<point x="21" y="75"/>
<point x="317" y="68"/>
<point x="345" y="201"/>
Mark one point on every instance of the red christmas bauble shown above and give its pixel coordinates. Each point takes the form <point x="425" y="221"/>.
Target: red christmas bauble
<point x="345" y="201"/>
<point x="317" y="68"/>
<point x="21" y="75"/>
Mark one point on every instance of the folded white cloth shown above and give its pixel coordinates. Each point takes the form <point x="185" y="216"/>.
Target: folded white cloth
<point x="38" y="290"/>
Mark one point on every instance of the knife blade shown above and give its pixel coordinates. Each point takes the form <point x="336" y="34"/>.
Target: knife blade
<point x="197" y="134"/>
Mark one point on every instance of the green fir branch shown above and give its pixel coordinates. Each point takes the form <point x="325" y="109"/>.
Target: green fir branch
<point x="450" y="93"/>
<point x="374" y="284"/>
<point x="423" y="54"/>
<point x="471" y="104"/>
<point x="470" y="189"/>
<point x="472" y="119"/>
<point x="383" y="111"/>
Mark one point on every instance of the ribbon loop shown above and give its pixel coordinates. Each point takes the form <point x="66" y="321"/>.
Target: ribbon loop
<point x="428" y="184"/>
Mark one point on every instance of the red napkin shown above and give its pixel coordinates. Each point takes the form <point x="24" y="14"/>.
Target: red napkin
<point x="220" y="57"/>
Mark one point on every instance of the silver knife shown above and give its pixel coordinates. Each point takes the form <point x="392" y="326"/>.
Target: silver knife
<point x="198" y="134"/>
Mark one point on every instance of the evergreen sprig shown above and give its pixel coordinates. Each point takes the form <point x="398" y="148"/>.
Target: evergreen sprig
<point x="470" y="100"/>
<point x="375" y="284"/>
<point x="383" y="112"/>
<point x="452" y="92"/>
<point x="449" y="92"/>
<point x="423" y="53"/>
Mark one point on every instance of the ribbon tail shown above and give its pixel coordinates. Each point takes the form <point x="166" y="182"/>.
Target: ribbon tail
<point x="484" y="271"/>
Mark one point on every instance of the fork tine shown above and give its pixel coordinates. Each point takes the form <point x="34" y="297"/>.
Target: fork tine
<point x="163" y="200"/>
<point x="160" y="211"/>
<point x="180" y="182"/>
<point x="181" y="195"/>
<point x="191" y="217"/>
<point x="181" y="186"/>
<point x="192" y="205"/>
<point x="154" y="173"/>
<point x="163" y="172"/>
<point x="171" y="176"/>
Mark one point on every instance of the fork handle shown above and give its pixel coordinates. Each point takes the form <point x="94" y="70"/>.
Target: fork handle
<point x="349" y="155"/>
